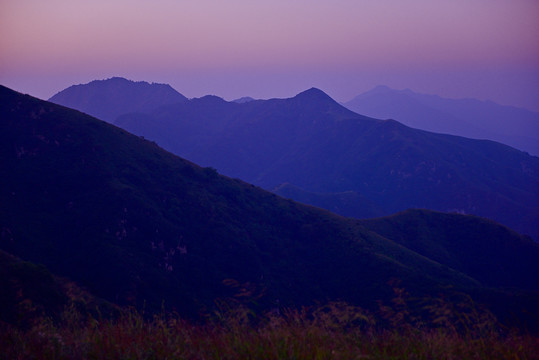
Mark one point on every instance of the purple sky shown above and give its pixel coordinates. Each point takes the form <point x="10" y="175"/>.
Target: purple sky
<point x="487" y="49"/>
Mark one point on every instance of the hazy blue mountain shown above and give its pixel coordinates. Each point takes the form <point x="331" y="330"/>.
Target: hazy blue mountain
<point x="137" y="225"/>
<point x="243" y="100"/>
<point x="317" y="145"/>
<point x="472" y="118"/>
<point x="107" y="99"/>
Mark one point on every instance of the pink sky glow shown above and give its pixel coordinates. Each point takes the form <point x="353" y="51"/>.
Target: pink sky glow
<point x="488" y="49"/>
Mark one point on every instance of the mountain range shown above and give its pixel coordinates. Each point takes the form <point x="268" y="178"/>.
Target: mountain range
<point x="316" y="146"/>
<point x="107" y="99"/>
<point x="471" y="118"/>
<point x="136" y="225"/>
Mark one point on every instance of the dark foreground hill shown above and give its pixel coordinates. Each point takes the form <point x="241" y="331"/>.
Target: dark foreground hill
<point x="30" y="291"/>
<point x="317" y="146"/>
<point x="107" y="99"/>
<point x="137" y="225"/>
<point x="471" y="118"/>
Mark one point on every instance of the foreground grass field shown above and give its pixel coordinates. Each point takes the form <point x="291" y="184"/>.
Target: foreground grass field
<point x="334" y="331"/>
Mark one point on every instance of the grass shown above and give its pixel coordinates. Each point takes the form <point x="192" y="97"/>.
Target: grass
<point x="333" y="331"/>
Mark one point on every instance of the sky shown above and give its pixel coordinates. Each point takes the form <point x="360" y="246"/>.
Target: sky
<point x="485" y="49"/>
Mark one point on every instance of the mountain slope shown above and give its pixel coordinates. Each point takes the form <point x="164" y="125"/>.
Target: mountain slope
<point x="465" y="117"/>
<point x="107" y="99"/>
<point x="30" y="291"/>
<point x="348" y="202"/>
<point x="133" y="223"/>
<point x="137" y="225"/>
<point x="317" y="145"/>
<point x="452" y="240"/>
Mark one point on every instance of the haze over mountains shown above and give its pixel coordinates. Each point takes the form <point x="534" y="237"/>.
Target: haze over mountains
<point x="137" y="225"/>
<point x="472" y="118"/>
<point x="316" y="146"/>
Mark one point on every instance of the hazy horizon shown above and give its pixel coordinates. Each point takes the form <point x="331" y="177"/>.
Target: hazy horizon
<point x="482" y="49"/>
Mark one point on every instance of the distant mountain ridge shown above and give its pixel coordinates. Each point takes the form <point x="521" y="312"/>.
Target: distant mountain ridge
<point x="107" y="99"/>
<point x="318" y="146"/>
<point x="243" y="100"/>
<point x="139" y="226"/>
<point x="315" y="144"/>
<point x="471" y="118"/>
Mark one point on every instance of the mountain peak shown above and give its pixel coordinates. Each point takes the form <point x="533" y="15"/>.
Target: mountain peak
<point x="380" y="89"/>
<point x="314" y="94"/>
<point x="210" y="99"/>
<point x="107" y="99"/>
<point x="127" y="84"/>
<point x="115" y="79"/>
<point x="244" y="99"/>
<point x="315" y="100"/>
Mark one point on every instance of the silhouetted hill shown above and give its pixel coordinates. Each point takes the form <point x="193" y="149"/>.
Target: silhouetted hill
<point x="472" y="118"/>
<point x="315" y="144"/>
<point x="30" y="291"/>
<point x="107" y="99"/>
<point x="25" y="283"/>
<point x="137" y="225"/>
